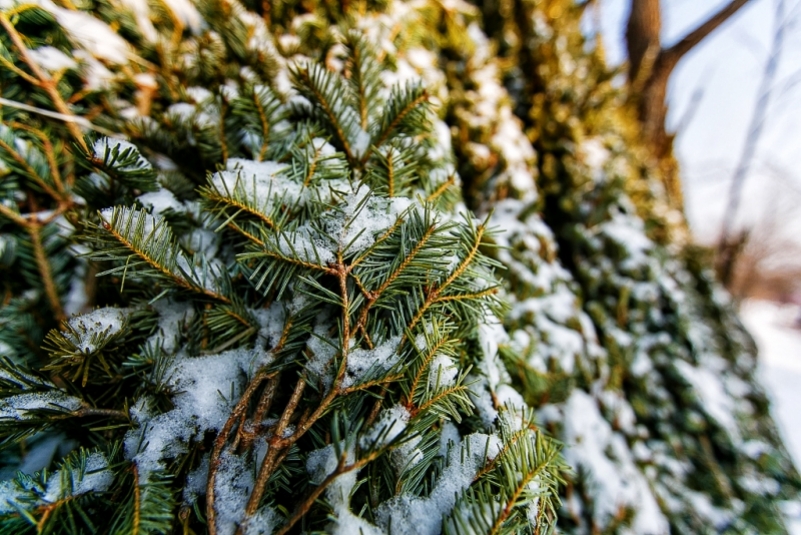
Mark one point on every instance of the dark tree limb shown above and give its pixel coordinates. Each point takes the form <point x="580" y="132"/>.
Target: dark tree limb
<point x="731" y="243"/>
<point x="692" y="39"/>
<point x="650" y="67"/>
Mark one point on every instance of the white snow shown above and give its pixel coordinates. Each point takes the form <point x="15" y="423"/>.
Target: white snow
<point x="96" y="478"/>
<point x="52" y="59"/>
<point x="780" y="372"/>
<point x="107" y="144"/>
<point x="95" y="36"/>
<point x="370" y="363"/>
<point x="161" y="200"/>
<point x="206" y="389"/>
<point x="322" y="463"/>
<point x="713" y="396"/>
<point x="591" y="443"/>
<point x="16" y="407"/>
<point x="96" y="76"/>
<point x="232" y="487"/>
<point x="391" y="422"/>
<point x="411" y="515"/>
<point x="594" y="154"/>
<point x="363" y="216"/>
<point x="93" y="327"/>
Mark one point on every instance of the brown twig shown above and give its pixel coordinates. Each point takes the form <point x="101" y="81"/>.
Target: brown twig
<point x="44" y="81"/>
<point x="276" y="445"/>
<point x="219" y="444"/>
<point x="45" y="270"/>
<point x="341" y="468"/>
<point x="137" y="500"/>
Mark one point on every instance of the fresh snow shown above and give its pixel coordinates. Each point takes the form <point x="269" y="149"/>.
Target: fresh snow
<point x="95" y="326"/>
<point x="96" y="478"/>
<point x="364" y="364"/>
<point x="411" y="515"/>
<point x="779" y="344"/>
<point x="591" y="444"/>
<point x="94" y="35"/>
<point x="17" y="407"/>
<point x="52" y="59"/>
<point x="107" y="144"/>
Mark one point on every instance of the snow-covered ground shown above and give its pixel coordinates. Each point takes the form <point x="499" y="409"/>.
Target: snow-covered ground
<point x="779" y="341"/>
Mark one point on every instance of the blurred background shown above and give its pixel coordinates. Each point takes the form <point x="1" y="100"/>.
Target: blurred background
<point x="723" y="96"/>
<point x="735" y="109"/>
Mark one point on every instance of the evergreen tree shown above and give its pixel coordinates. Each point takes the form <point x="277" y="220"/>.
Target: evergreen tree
<point x="304" y="267"/>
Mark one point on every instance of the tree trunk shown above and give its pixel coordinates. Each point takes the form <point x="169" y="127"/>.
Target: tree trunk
<point x="642" y="37"/>
<point x="650" y="67"/>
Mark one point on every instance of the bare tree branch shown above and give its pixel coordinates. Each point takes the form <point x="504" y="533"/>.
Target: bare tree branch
<point x="726" y="253"/>
<point x="710" y="25"/>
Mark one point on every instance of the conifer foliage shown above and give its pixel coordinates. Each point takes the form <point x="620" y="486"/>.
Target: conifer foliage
<point x="244" y="293"/>
<point x="290" y="346"/>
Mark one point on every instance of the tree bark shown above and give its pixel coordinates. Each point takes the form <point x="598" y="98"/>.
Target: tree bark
<point x="650" y="65"/>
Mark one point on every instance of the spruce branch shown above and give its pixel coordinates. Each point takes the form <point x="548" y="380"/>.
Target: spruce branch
<point x="404" y="113"/>
<point x="364" y="75"/>
<point x="146" y="242"/>
<point x="42" y="80"/>
<point x="327" y="94"/>
<point x="33" y="165"/>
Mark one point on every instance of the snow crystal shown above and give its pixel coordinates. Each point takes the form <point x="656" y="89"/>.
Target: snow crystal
<point x="199" y="94"/>
<point x="594" y="154"/>
<point x="289" y="41"/>
<point x="590" y="443"/>
<point x="449" y="436"/>
<point x="16" y="407"/>
<point x="263" y="522"/>
<point x="232" y="487"/>
<point x="257" y="182"/>
<point x="322" y="463"/>
<point x="172" y="315"/>
<point x="391" y="422"/>
<point x="96" y="325"/>
<point x="196" y="480"/>
<point x="443" y="372"/>
<point x="95" y="75"/>
<point x="356" y="223"/>
<point x="141" y="13"/>
<point x="322" y="350"/>
<point x="96" y="478"/>
<point x="628" y="232"/>
<point x="186" y="12"/>
<point x="714" y="516"/>
<point x="360" y="143"/>
<point x="412" y="515"/>
<point x="271" y="322"/>
<point x="11" y="496"/>
<point x="367" y="363"/>
<point x="507" y="396"/>
<point x="91" y="33"/>
<point x="761" y="485"/>
<point x="408" y="454"/>
<point x="109" y="144"/>
<point x="712" y="395"/>
<point x="161" y="200"/>
<point x="206" y="390"/>
<point x="52" y="59"/>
